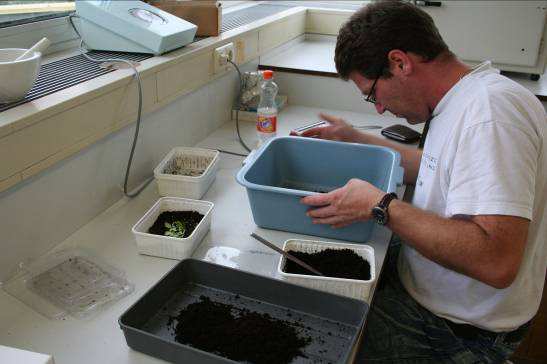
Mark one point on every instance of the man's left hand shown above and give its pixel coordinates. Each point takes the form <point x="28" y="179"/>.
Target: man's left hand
<point x="345" y="205"/>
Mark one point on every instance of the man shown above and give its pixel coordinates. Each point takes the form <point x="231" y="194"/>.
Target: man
<point x="471" y="269"/>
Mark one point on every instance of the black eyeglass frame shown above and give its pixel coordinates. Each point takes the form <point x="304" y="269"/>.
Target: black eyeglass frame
<point x="371" y="97"/>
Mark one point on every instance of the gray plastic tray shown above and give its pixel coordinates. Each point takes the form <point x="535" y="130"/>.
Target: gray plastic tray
<point x="333" y="322"/>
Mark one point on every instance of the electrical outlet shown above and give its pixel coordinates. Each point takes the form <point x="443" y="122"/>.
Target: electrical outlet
<point x="221" y="55"/>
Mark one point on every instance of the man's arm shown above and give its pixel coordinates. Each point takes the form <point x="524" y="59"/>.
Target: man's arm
<point x="341" y="131"/>
<point x="488" y="248"/>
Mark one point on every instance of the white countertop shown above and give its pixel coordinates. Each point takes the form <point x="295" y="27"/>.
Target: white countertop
<point x="99" y="338"/>
<point x="312" y="53"/>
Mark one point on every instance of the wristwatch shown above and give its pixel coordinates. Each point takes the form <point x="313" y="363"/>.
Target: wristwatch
<point x="380" y="211"/>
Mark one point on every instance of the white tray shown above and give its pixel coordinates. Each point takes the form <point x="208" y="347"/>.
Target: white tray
<point x="205" y="160"/>
<point x="353" y="288"/>
<point x="166" y="246"/>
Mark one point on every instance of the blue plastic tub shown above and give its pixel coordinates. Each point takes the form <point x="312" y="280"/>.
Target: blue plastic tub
<point x="287" y="168"/>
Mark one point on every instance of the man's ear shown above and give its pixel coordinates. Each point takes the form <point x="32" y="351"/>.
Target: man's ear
<point x="399" y="62"/>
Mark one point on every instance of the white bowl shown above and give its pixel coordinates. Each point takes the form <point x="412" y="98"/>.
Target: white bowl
<point x="17" y="77"/>
<point x="193" y="187"/>
<point x="354" y="288"/>
<point x="166" y="246"/>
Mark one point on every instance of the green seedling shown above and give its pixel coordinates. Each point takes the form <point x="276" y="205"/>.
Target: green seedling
<point x="176" y="229"/>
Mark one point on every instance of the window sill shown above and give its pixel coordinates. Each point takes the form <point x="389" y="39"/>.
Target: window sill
<point x="36" y="135"/>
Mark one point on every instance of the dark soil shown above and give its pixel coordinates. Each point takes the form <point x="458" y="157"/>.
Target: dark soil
<point x="343" y="263"/>
<point x="237" y="334"/>
<point x="190" y="219"/>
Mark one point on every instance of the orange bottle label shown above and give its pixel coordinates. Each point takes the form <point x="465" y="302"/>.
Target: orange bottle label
<point x="266" y="124"/>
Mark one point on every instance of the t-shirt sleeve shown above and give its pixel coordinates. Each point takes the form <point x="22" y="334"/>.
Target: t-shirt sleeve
<point x="493" y="172"/>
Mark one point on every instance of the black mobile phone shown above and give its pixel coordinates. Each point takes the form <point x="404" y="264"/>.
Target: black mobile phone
<point x="401" y="133"/>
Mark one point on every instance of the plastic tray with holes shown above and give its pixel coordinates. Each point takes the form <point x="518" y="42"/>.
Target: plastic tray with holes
<point x="76" y="282"/>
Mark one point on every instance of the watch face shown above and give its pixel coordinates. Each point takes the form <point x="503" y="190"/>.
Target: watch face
<point x="380" y="215"/>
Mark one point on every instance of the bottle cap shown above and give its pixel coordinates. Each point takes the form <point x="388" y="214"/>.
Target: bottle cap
<point x="267" y="74"/>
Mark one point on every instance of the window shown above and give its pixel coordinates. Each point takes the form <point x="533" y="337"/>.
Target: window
<point x="17" y="12"/>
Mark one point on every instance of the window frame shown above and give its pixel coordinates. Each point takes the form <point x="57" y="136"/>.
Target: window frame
<point x="58" y="30"/>
<point x="34" y="19"/>
<point x="36" y="10"/>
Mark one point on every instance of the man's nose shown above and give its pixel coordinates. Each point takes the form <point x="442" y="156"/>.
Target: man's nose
<point x="379" y="108"/>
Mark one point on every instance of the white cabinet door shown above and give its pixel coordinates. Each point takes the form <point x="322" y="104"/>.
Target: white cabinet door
<point x="506" y="32"/>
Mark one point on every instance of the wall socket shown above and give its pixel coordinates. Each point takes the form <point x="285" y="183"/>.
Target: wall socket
<point x="220" y="56"/>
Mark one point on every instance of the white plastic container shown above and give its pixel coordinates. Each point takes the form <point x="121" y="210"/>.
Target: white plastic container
<point x="166" y="246"/>
<point x="196" y="160"/>
<point x="353" y="288"/>
<point x="17" y="77"/>
<point x="14" y="355"/>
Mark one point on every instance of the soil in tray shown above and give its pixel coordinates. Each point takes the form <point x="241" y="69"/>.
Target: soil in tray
<point x="185" y="172"/>
<point x="237" y="334"/>
<point x="187" y="166"/>
<point x="338" y="263"/>
<point x="190" y="220"/>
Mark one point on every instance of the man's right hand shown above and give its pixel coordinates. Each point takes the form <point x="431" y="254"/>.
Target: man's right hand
<point x="336" y="129"/>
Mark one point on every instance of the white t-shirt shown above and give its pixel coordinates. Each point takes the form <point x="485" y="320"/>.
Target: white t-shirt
<point x="485" y="154"/>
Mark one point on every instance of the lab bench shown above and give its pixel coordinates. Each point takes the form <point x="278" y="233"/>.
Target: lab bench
<point x="108" y="236"/>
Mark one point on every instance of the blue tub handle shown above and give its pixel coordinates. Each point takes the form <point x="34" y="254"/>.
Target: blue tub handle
<point x="253" y="154"/>
<point x="250" y="157"/>
<point x="395" y="178"/>
<point x="239" y="175"/>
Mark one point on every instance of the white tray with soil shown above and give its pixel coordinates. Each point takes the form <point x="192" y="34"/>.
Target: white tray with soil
<point x="173" y="227"/>
<point x="348" y="269"/>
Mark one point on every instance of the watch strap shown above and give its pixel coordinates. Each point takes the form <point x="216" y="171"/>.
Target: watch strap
<point x="386" y="200"/>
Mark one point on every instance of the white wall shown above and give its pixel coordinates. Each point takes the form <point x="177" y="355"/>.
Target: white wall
<point x="43" y="211"/>
<point x="324" y="92"/>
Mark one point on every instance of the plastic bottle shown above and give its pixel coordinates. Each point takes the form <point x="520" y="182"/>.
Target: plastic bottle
<point x="266" y="123"/>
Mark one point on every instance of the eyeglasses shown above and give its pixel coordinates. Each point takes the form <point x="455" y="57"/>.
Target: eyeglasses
<point x="371" y="97"/>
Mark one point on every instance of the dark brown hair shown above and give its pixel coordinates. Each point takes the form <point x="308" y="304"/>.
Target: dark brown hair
<point x="365" y="40"/>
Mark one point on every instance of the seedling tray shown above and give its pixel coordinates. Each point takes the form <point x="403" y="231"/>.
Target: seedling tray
<point x="199" y="166"/>
<point x="167" y="246"/>
<point x="332" y="322"/>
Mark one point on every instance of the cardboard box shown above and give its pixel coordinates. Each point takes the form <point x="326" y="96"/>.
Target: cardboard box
<point x="207" y="15"/>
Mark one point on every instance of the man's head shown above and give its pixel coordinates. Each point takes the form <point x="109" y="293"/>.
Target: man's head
<point x="386" y="41"/>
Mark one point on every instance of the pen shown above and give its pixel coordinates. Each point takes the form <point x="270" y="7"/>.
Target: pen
<point x="309" y="126"/>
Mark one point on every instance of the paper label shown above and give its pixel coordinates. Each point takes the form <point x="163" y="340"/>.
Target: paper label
<point x="266" y="124"/>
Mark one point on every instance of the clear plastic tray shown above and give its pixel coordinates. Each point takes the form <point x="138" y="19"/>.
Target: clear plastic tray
<point x="69" y="282"/>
